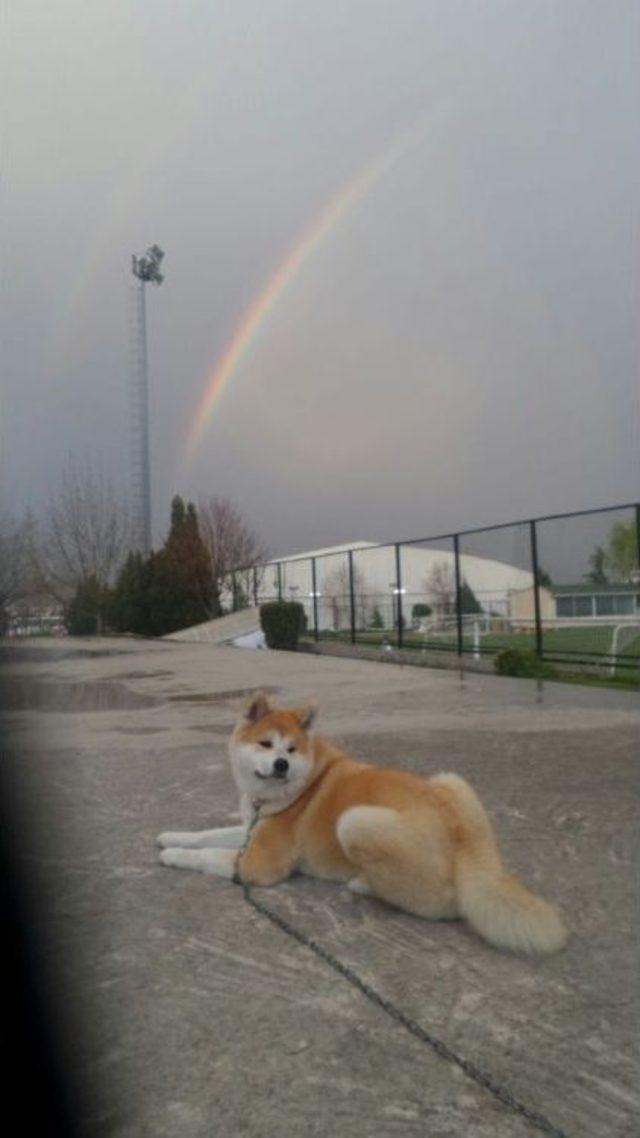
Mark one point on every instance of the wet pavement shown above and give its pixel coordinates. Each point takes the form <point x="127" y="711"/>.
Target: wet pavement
<point x="187" y="1013"/>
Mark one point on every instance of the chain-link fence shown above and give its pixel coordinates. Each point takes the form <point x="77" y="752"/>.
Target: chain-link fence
<point x="565" y="586"/>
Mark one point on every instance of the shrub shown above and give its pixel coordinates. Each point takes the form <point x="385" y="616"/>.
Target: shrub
<point x="420" y="610"/>
<point x="283" y="622"/>
<point x="518" y="662"/>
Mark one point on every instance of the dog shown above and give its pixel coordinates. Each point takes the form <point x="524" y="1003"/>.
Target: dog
<point x="422" y="845"/>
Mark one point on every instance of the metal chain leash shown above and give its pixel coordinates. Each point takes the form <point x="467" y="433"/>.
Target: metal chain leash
<point x="482" y="1078"/>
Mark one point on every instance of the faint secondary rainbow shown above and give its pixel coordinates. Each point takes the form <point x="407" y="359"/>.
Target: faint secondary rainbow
<point x="254" y="317"/>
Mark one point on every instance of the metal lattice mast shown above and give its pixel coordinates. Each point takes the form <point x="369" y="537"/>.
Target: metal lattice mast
<point x="145" y="269"/>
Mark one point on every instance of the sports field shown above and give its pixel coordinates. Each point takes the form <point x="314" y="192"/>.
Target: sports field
<point x="610" y="643"/>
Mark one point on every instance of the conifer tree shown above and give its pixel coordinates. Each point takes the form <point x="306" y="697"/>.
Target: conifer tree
<point x="180" y="575"/>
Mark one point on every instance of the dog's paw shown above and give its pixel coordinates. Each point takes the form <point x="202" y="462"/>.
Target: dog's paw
<point x="172" y="838"/>
<point x="219" y="862"/>
<point x="177" y="858"/>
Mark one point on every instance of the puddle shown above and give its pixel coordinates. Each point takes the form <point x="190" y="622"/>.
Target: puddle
<point x="141" y="675"/>
<point x="213" y="728"/>
<point x="138" y="730"/>
<point x="22" y="693"/>
<point x="31" y="653"/>
<point x="221" y="696"/>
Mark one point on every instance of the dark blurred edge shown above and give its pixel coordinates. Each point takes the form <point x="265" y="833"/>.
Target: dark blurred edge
<point x="39" y="1089"/>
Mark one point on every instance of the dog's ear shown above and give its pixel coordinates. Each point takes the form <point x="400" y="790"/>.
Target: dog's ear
<point x="257" y="708"/>
<point x="305" y="716"/>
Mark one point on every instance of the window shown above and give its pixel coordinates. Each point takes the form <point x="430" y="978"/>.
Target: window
<point x="564" y="606"/>
<point x="605" y="605"/>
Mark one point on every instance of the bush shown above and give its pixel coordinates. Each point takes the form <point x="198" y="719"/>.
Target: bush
<point x="420" y="610"/>
<point x="517" y="662"/>
<point x="283" y="622"/>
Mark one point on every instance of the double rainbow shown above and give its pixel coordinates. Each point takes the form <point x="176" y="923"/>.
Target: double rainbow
<point x="255" y="316"/>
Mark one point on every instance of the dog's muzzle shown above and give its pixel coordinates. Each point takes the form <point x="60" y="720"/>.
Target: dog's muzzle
<point x="280" y="770"/>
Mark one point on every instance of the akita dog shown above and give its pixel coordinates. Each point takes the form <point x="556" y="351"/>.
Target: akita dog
<point x="422" y="845"/>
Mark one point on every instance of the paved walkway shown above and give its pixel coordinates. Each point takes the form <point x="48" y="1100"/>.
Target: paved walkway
<point x="191" y="1015"/>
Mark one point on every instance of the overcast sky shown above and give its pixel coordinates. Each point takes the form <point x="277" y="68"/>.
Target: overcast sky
<point x="462" y="347"/>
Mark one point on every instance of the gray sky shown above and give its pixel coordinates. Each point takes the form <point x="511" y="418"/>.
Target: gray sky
<point x="462" y="347"/>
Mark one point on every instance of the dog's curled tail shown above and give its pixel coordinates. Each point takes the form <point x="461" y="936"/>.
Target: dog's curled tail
<point x="494" y="903"/>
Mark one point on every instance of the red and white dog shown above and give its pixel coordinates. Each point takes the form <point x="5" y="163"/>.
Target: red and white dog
<point x="423" y="845"/>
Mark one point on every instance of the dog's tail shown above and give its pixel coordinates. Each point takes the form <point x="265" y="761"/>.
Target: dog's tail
<point x="494" y="903"/>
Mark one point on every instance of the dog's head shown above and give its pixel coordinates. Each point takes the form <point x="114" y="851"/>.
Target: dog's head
<point x="272" y="753"/>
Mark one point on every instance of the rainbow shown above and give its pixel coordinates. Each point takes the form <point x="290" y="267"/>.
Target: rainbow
<point x="253" y="319"/>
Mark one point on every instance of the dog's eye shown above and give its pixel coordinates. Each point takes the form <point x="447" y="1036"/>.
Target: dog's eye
<point x="290" y="749"/>
<point x="266" y="743"/>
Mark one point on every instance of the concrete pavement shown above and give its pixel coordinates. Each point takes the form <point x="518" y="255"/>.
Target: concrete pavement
<point x="188" y="1014"/>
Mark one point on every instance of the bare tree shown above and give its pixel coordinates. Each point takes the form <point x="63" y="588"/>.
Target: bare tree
<point x="231" y="545"/>
<point x="336" y="595"/>
<point x="84" y="533"/>
<point x="16" y="580"/>
<point x="440" y="587"/>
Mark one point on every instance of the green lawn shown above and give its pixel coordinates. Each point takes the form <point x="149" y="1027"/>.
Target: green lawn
<point x="569" y="642"/>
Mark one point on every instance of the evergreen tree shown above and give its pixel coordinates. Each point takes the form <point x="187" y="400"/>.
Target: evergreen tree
<point x="180" y="575"/>
<point x="128" y="604"/>
<point x="468" y="600"/>
<point x="171" y="589"/>
<point x="598" y="562"/>
<point x="84" y="614"/>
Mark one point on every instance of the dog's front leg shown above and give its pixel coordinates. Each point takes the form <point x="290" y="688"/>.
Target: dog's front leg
<point x="220" y="862"/>
<point x="269" y="857"/>
<point x="226" y="837"/>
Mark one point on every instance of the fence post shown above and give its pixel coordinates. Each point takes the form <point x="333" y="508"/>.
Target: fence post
<point x="456" y="553"/>
<point x="279" y="581"/>
<point x="352" y="600"/>
<point x="255" y="586"/>
<point x="536" y="587"/>
<point x="399" y="615"/>
<point x="314" y="590"/>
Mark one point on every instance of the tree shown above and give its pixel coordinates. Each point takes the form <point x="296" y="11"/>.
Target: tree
<point x="598" y="562"/>
<point x="178" y="584"/>
<point x="16" y="578"/>
<point x="84" y="613"/>
<point x="441" y="586"/>
<point x="622" y="551"/>
<point x="337" y="595"/>
<point x="231" y="545"/>
<point x="469" y="603"/>
<point x="376" y="620"/>
<point x="83" y="535"/>
<point x="128" y="608"/>
<point x="176" y="587"/>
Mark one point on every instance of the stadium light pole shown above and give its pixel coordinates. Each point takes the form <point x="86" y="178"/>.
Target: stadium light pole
<point x="146" y="269"/>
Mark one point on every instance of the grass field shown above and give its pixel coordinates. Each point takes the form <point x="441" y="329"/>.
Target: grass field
<point x="593" y="642"/>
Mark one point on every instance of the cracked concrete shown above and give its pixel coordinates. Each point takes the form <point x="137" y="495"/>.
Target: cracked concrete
<point x="185" y="1012"/>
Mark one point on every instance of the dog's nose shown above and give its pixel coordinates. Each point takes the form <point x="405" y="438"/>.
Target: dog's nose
<point x="280" y="767"/>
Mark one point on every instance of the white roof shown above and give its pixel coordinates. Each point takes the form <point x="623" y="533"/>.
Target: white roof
<point x="323" y="552"/>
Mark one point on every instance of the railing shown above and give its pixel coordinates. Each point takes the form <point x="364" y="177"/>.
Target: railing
<point x="566" y="586"/>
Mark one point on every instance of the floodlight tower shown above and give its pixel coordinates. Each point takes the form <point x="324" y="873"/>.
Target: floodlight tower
<point x="145" y="269"/>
